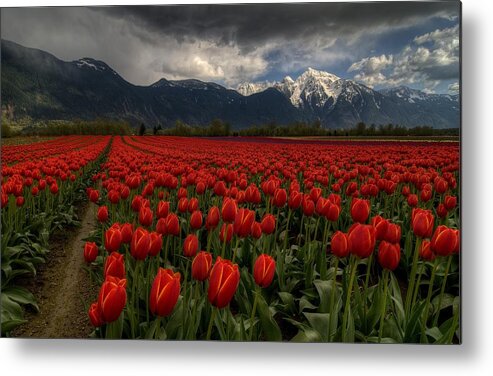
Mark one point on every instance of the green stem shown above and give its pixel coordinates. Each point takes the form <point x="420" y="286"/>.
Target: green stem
<point x="428" y="296"/>
<point x="211" y="321"/>
<point x="384" y="303"/>
<point x="254" y="309"/>
<point x="442" y="290"/>
<point x="412" y="279"/>
<point x="348" y="298"/>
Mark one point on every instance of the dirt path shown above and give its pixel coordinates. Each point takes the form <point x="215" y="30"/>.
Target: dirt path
<point x="62" y="287"/>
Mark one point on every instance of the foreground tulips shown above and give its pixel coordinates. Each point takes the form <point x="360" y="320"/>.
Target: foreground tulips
<point x="312" y="241"/>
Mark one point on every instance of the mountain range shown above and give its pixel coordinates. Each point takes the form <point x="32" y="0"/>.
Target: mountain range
<point x="37" y="84"/>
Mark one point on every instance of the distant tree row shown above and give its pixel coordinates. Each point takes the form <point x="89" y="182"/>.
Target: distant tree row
<point x="217" y="128"/>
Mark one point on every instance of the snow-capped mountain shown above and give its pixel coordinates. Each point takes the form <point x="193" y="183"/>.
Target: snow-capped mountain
<point x="341" y="102"/>
<point x="89" y="88"/>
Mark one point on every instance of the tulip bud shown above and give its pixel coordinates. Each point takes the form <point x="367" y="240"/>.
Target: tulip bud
<point x="422" y="222"/>
<point x="156" y="244"/>
<point x="196" y="220"/>
<point x="256" y="230"/>
<point x="162" y="209"/>
<point x="393" y="234"/>
<point x="360" y="210"/>
<point x="243" y="222"/>
<point x="126" y="230"/>
<point x="412" y="200"/>
<point x="268" y="224"/>
<point x="361" y="240"/>
<point x="145" y="216"/>
<point x="444" y="241"/>
<point x="263" y="270"/>
<point x="201" y="266"/>
<point x="190" y="245"/>
<point x="103" y="214"/>
<point x="213" y="218"/>
<point x="339" y="244"/>
<point x="165" y="292"/>
<point x="450" y="202"/>
<point x="425" y="251"/>
<point x="223" y="282"/>
<point x="226" y="233"/>
<point x="381" y="226"/>
<point x="140" y="244"/>
<point x="280" y="197"/>
<point x="389" y="255"/>
<point x="112" y="298"/>
<point x="112" y="239"/>
<point x="95" y="315"/>
<point x="114" y="266"/>
<point x="90" y="252"/>
<point x="229" y="210"/>
<point x="172" y="225"/>
<point x="441" y="211"/>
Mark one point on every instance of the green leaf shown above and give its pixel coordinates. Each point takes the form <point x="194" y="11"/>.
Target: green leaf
<point x="319" y="322"/>
<point x="306" y="335"/>
<point x="323" y="288"/>
<point x="270" y="328"/>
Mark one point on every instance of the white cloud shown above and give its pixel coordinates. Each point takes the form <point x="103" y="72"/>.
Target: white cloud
<point x="454" y="88"/>
<point x="431" y="58"/>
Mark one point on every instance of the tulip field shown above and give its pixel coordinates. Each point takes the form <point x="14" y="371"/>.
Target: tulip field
<point x="244" y="239"/>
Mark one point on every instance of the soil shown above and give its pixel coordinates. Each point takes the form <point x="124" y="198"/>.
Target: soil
<point x="62" y="287"/>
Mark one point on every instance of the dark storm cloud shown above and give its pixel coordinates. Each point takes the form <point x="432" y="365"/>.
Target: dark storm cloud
<point x="234" y="43"/>
<point x="249" y="25"/>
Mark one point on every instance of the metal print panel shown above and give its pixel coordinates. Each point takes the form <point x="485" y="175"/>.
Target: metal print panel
<point x="253" y="172"/>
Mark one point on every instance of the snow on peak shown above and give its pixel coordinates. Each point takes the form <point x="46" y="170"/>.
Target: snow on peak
<point x="248" y="88"/>
<point x="312" y="86"/>
<point x="89" y="63"/>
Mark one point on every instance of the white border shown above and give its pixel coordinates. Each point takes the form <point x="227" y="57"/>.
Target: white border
<point x="474" y="357"/>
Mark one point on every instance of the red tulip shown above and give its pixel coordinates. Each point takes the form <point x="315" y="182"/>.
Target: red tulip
<point x="114" y="196"/>
<point x="263" y="270"/>
<point x="280" y="197"/>
<point x="268" y="224"/>
<point x="140" y="244"/>
<point x="223" y="282"/>
<point x="95" y="315"/>
<point x="393" y="234"/>
<point x="145" y="216"/>
<point x="294" y="201"/>
<point x="441" y="185"/>
<point x="360" y="210"/>
<point x="315" y="193"/>
<point x="441" y="211"/>
<point x="425" y="251"/>
<point x="444" y="241"/>
<point x="112" y="239"/>
<point x="54" y="188"/>
<point x="226" y="233"/>
<point x="243" y="222"/>
<point x="308" y="206"/>
<point x="213" y="218"/>
<point x="165" y="292"/>
<point x="183" y="205"/>
<point x="389" y="255"/>
<point x="114" y="266"/>
<point x="412" y="200"/>
<point x="126" y="230"/>
<point x="196" y="220"/>
<point x="201" y="266"/>
<point x="93" y="195"/>
<point x="361" y="240"/>
<point x="103" y="214"/>
<point x="19" y="201"/>
<point x="339" y="244"/>
<point x="190" y="245"/>
<point x="172" y="225"/>
<point x="256" y="230"/>
<point x="381" y="226"/>
<point x="229" y="210"/>
<point x="156" y="244"/>
<point x="422" y="222"/>
<point x="112" y="298"/>
<point x="162" y="209"/>
<point x="90" y="252"/>
<point x="450" y="202"/>
<point x="332" y="212"/>
<point x="425" y="195"/>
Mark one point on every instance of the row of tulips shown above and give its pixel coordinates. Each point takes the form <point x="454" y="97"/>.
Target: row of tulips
<point x="268" y="244"/>
<point x="39" y="186"/>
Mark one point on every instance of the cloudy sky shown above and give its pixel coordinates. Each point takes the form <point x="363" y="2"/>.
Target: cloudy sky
<point x="379" y="44"/>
